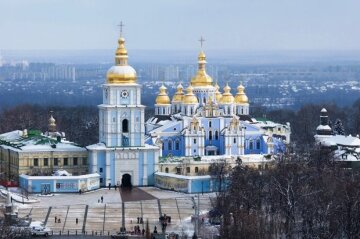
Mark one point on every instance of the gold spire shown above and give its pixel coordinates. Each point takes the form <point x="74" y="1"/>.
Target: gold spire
<point x="121" y="73"/>
<point x="241" y="97"/>
<point x="179" y="94"/>
<point x="52" y="123"/>
<point x="227" y="97"/>
<point x="162" y="98"/>
<point x="201" y="78"/>
<point x="218" y="94"/>
<point x="190" y="98"/>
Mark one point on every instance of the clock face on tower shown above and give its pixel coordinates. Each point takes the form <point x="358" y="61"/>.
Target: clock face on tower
<point x="124" y="94"/>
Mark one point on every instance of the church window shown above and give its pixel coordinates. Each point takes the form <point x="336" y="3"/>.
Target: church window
<point x="84" y="161"/>
<point x="194" y="141"/>
<point x="210" y="135"/>
<point x="36" y="162"/>
<point x="46" y="162"/>
<point x="187" y="169"/>
<point x="65" y="161"/>
<point x="169" y="145"/>
<point x="56" y="161"/>
<point x="194" y="151"/>
<point x="166" y="170"/>
<point x="251" y="144"/>
<point x="204" y="100"/>
<point x="101" y="180"/>
<point x="177" y="145"/>
<point x="164" y="111"/>
<point x="125" y="126"/>
<point x="242" y="111"/>
<point x="216" y="135"/>
<point x="196" y="169"/>
<point x="191" y="111"/>
<point x="100" y="170"/>
<point x="209" y="123"/>
<point x="258" y="143"/>
<point x="75" y="161"/>
<point x="234" y="140"/>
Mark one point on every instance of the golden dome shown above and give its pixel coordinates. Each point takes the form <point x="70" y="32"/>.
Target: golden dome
<point x="162" y="98"/>
<point x="227" y="97"/>
<point x="201" y="78"/>
<point x="218" y="94"/>
<point x="190" y="98"/>
<point x="179" y="94"/>
<point x="241" y="97"/>
<point x="121" y="73"/>
<point x="52" y="124"/>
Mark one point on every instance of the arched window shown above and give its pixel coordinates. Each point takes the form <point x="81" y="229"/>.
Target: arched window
<point x="125" y="126"/>
<point x="251" y="145"/>
<point x="210" y="135"/>
<point x="209" y="123"/>
<point x="216" y="135"/>
<point x="196" y="169"/>
<point x="234" y="140"/>
<point x="258" y="143"/>
<point x="170" y="144"/>
<point x="204" y="100"/>
<point x="166" y="170"/>
<point x="177" y="145"/>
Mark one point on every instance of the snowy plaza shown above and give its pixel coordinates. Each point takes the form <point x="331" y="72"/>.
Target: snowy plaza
<point x="86" y="213"/>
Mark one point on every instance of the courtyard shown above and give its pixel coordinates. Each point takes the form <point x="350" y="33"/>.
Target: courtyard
<point x="104" y="211"/>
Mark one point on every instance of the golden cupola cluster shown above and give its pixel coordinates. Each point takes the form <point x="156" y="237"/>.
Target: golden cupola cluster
<point x="190" y="97"/>
<point x="162" y="98"/>
<point x="241" y="97"/>
<point x="227" y="97"/>
<point x="179" y="94"/>
<point x="201" y="78"/>
<point x="121" y="72"/>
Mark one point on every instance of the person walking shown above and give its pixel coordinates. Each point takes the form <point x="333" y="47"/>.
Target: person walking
<point x="102" y="199"/>
<point x="77" y="220"/>
<point x="55" y="219"/>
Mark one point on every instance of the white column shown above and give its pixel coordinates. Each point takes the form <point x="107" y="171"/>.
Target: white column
<point x="145" y="169"/>
<point x="107" y="167"/>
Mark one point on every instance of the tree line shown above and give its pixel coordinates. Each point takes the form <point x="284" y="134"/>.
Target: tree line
<point x="294" y="199"/>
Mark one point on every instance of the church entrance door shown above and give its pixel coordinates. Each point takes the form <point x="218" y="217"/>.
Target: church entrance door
<point x="126" y="181"/>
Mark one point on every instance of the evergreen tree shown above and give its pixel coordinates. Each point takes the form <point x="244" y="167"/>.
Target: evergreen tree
<point x="339" y="128"/>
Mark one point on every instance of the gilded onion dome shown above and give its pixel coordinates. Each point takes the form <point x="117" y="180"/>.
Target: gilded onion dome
<point x="227" y="97"/>
<point x="121" y="73"/>
<point x="179" y="94"/>
<point x="241" y="97"/>
<point x="52" y="124"/>
<point x="162" y="98"/>
<point x="190" y="98"/>
<point x="218" y="94"/>
<point x="201" y="78"/>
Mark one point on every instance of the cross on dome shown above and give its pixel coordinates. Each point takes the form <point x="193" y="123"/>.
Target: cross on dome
<point x="121" y="25"/>
<point x="201" y="40"/>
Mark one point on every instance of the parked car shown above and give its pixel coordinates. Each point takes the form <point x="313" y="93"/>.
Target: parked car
<point x="119" y="235"/>
<point x="38" y="229"/>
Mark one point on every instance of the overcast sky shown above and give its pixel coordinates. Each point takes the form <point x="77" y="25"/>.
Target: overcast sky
<point x="170" y="24"/>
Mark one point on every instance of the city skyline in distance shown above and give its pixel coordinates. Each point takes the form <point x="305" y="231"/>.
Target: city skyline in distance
<point x="235" y="25"/>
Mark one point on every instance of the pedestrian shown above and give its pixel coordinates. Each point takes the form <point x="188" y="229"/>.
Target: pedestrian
<point x="138" y="220"/>
<point x="109" y="186"/>
<point x="155" y="230"/>
<point x="143" y="231"/>
<point x="115" y="187"/>
<point x="59" y="221"/>
<point x="141" y="220"/>
<point x="77" y="220"/>
<point x="98" y="200"/>
<point x="55" y="219"/>
<point x="102" y="199"/>
<point x="80" y="191"/>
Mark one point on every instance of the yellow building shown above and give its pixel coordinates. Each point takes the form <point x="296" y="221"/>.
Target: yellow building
<point x="35" y="153"/>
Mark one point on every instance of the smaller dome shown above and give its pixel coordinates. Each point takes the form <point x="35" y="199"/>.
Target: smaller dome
<point x="179" y="94"/>
<point x="227" y="97"/>
<point x="162" y="98"/>
<point x="190" y="98"/>
<point x="241" y="97"/>
<point x="218" y="94"/>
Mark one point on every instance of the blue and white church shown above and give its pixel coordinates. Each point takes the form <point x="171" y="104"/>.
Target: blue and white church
<point x="122" y="157"/>
<point x="203" y="121"/>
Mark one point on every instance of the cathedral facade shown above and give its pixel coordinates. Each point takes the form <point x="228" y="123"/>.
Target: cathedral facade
<point x="203" y="121"/>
